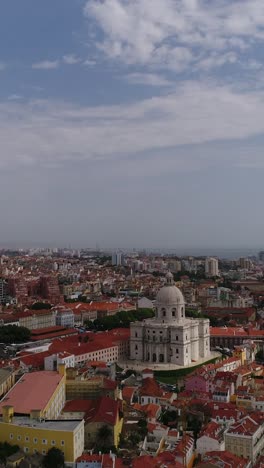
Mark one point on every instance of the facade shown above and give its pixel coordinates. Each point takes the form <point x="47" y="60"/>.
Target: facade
<point x="3" y="291"/>
<point x="170" y="337"/>
<point x="36" y="319"/>
<point x="53" y="361"/>
<point x="33" y="435"/>
<point x="43" y="391"/>
<point x="7" y="380"/>
<point x="211" y="267"/>
<point x="65" y="318"/>
<point x="245" y="439"/>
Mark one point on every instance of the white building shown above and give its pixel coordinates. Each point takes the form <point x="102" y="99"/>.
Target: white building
<point x="170" y="337"/>
<point x="64" y="318"/>
<point x="211" y="438"/>
<point x="211" y="267"/>
<point x="52" y="362"/>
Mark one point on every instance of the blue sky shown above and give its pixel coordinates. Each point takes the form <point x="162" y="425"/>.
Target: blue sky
<point x="132" y="123"/>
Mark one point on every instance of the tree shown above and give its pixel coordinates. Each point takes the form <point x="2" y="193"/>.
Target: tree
<point x="54" y="458"/>
<point x="6" y="450"/>
<point x="103" y="438"/>
<point x="40" y="306"/>
<point x="14" y="334"/>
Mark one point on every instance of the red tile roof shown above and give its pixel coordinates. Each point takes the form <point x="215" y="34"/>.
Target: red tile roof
<point x="32" y="391"/>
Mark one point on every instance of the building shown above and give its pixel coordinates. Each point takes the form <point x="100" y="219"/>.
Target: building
<point x="53" y="361"/>
<point x="117" y="259"/>
<point x="211" y="438"/>
<point x="211" y="267"/>
<point x="170" y="337"/>
<point x="103" y="411"/>
<point x="43" y="391"/>
<point x="246" y="438"/>
<point x="49" y="288"/>
<point x="64" y="317"/>
<point x="3" y="291"/>
<point x="7" y="380"/>
<point x="35" y="435"/>
<point x="17" y="288"/>
<point x="36" y="319"/>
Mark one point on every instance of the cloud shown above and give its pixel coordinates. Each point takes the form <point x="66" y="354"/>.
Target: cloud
<point x="45" y="132"/>
<point x="177" y="34"/>
<point x="71" y="59"/>
<point x="46" y="65"/>
<point x="14" y="97"/>
<point x="147" y="79"/>
<point x="89" y="63"/>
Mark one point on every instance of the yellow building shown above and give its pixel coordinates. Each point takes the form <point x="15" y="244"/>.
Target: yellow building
<point x="34" y="435"/>
<point x="80" y="387"/>
<point x="103" y="412"/>
<point x="7" y="380"/>
<point x="240" y="353"/>
<point x="43" y="391"/>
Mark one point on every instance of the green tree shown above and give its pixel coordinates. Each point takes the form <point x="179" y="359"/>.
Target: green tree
<point x="6" y="450"/>
<point x="103" y="438"/>
<point x="40" y="306"/>
<point x="54" y="458"/>
<point x="14" y="334"/>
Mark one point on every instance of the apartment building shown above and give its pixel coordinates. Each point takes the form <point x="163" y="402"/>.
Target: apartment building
<point x="35" y="435"/>
<point x="246" y="438"/>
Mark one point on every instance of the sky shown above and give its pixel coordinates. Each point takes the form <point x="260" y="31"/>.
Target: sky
<point x="132" y="123"/>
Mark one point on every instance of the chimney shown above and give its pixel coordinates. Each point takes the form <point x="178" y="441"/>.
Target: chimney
<point x="8" y="413"/>
<point x="62" y="369"/>
<point x="35" y="414"/>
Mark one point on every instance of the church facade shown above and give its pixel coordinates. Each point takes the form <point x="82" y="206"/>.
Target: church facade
<point x="170" y="337"/>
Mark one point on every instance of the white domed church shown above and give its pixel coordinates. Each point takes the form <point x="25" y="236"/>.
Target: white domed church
<point x="170" y="337"/>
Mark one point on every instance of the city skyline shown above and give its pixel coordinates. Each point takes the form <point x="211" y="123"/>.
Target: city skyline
<point x="133" y="124"/>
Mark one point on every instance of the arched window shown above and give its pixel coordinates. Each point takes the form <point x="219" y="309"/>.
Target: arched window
<point x="136" y="347"/>
<point x="154" y="357"/>
<point x="148" y="357"/>
<point x="182" y="312"/>
<point x="163" y="312"/>
<point x="173" y="312"/>
<point x="161" y="358"/>
<point x="136" y="335"/>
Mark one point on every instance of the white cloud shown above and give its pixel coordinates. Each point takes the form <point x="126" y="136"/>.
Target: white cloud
<point x="14" y="97"/>
<point x="46" y="65"/>
<point x="71" y="59"/>
<point x="89" y="63"/>
<point x="43" y="132"/>
<point x="147" y="79"/>
<point x="177" y="34"/>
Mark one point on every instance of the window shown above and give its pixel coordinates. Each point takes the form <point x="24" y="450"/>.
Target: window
<point x="136" y="334"/>
<point x="26" y="449"/>
<point x="53" y="442"/>
<point x="62" y="442"/>
<point x="26" y="438"/>
<point x="186" y="337"/>
<point x="11" y="436"/>
<point x="43" y="452"/>
<point x="182" y="311"/>
<point x="19" y="437"/>
<point x="35" y="440"/>
<point x="173" y="312"/>
<point x="177" y="351"/>
<point x="164" y="313"/>
<point x="136" y="347"/>
<point x="177" y="338"/>
<point x="44" y="441"/>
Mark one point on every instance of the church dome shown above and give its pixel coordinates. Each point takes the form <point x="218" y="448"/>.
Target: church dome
<point x="169" y="294"/>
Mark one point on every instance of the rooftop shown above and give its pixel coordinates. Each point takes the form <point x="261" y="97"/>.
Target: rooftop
<point x="32" y="391"/>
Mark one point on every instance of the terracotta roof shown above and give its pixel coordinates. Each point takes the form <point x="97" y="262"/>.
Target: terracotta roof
<point x="150" y="388"/>
<point x="32" y="391"/>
